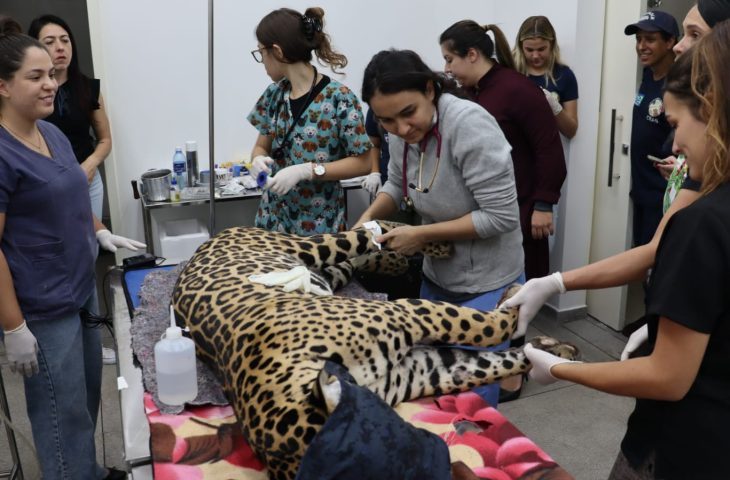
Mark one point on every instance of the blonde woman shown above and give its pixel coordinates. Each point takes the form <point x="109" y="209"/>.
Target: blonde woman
<point x="537" y="55"/>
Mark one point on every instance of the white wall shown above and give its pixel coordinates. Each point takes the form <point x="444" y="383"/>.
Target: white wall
<point x="155" y="80"/>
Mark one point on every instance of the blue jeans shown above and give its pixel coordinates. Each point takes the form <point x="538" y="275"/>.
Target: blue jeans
<point x="484" y="302"/>
<point x="96" y="194"/>
<point x="63" y="398"/>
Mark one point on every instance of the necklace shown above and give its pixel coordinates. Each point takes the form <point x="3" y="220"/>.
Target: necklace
<point x="25" y="140"/>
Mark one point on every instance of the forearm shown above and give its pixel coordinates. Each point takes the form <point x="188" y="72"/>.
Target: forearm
<point x="620" y="269"/>
<point x="637" y="377"/>
<point x="567" y="119"/>
<point x="97" y="157"/>
<point x="567" y="124"/>
<point x="259" y="150"/>
<point x="374" y="156"/>
<point x="347" y="167"/>
<point x="262" y="146"/>
<point x="98" y="225"/>
<point x="382" y="207"/>
<point x="628" y="266"/>
<point x="461" y="228"/>
<point x="10" y="315"/>
<point x="667" y="374"/>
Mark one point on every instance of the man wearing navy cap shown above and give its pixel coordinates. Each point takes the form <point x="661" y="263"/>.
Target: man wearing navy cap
<point x="656" y="33"/>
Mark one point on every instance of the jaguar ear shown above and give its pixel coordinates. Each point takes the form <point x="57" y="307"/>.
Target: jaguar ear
<point x="330" y="390"/>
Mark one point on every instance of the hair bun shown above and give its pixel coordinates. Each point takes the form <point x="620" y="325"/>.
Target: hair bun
<point x="8" y="26"/>
<point x="310" y="26"/>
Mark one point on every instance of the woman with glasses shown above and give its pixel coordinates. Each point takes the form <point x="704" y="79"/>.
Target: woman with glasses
<point x="528" y="122"/>
<point x="311" y="131"/>
<point x="450" y="163"/>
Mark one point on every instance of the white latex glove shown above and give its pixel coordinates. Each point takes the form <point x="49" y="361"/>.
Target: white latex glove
<point x="108" y="241"/>
<point x="285" y="179"/>
<point x="22" y="348"/>
<point x="260" y="163"/>
<point x="553" y="102"/>
<point x="371" y="183"/>
<point x="637" y="338"/>
<point x="542" y="362"/>
<point x="298" y="278"/>
<point x="531" y="297"/>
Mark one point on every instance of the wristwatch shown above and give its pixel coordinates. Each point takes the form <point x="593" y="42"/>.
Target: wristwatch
<point x="318" y="170"/>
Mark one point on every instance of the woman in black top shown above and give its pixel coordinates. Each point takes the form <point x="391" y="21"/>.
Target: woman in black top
<point x="678" y="429"/>
<point x="78" y="107"/>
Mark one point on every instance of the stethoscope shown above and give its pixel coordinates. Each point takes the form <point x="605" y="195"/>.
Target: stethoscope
<point x="407" y="202"/>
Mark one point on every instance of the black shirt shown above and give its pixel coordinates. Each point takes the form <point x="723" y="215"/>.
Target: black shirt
<point x="691" y="286"/>
<point x="75" y="123"/>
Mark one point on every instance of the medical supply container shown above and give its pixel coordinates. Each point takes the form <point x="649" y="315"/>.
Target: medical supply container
<point x="177" y="377"/>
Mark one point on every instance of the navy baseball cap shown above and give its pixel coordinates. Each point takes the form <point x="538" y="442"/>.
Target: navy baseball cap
<point x="655" y="21"/>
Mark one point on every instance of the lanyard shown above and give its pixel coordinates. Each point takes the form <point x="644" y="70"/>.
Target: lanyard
<point x="407" y="203"/>
<point x="279" y="152"/>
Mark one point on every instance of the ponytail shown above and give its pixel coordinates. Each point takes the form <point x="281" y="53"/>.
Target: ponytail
<point x="298" y="36"/>
<point x="504" y="53"/>
<point x="466" y="34"/>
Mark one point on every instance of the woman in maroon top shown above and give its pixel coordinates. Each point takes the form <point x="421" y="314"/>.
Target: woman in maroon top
<point x="525" y="117"/>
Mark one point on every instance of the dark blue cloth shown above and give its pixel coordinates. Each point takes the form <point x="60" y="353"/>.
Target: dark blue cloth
<point x="365" y="439"/>
<point x="49" y="240"/>
<point x="649" y="133"/>
<point x="373" y="129"/>
<point x="565" y="84"/>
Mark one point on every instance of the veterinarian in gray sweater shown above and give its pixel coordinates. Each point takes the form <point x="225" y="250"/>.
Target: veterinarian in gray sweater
<point x="450" y="162"/>
<point x="465" y="193"/>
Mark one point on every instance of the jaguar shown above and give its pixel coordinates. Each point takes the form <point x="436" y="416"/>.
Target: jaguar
<point x="259" y="308"/>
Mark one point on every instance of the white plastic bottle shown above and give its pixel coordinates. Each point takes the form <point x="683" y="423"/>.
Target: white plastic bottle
<point x="177" y="379"/>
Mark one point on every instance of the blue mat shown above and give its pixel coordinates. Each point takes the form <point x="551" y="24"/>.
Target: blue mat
<point x="132" y="282"/>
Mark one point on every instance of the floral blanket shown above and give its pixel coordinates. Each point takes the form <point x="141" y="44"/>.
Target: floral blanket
<point x="204" y="442"/>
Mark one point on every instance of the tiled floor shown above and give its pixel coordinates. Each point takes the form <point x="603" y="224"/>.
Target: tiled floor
<point x="580" y="428"/>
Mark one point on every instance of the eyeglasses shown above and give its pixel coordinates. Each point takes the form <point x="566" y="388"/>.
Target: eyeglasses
<point x="258" y="54"/>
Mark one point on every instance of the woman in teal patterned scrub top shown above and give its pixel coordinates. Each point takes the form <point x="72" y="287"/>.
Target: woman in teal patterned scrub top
<point x="311" y="128"/>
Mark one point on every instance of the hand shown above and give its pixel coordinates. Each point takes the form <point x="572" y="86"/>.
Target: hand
<point x="542" y="224"/>
<point x="371" y="183"/>
<point x="261" y="163"/>
<point x="22" y="349"/>
<point x="89" y="170"/>
<point x="553" y="101"/>
<point x="542" y="364"/>
<point x="667" y="167"/>
<point x="287" y="178"/>
<point x="636" y="339"/>
<point x="405" y="240"/>
<point x="531" y="297"/>
<point x="108" y="241"/>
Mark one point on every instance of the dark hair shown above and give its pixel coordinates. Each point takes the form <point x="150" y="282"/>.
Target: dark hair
<point x="8" y="25"/>
<point x="13" y="46"/>
<point x="679" y="84"/>
<point x="393" y="71"/>
<point x="466" y="34"/>
<point x="298" y="35"/>
<point x="77" y="81"/>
